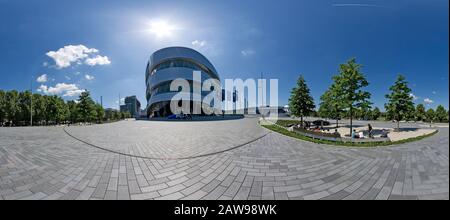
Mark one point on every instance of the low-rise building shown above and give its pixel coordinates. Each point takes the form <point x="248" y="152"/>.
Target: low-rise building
<point x="131" y="105"/>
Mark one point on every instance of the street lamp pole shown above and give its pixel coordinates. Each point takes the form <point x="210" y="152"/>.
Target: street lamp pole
<point x="31" y="103"/>
<point x="262" y="90"/>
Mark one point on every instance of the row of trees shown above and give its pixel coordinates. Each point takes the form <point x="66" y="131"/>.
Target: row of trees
<point x="346" y="98"/>
<point x="16" y="107"/>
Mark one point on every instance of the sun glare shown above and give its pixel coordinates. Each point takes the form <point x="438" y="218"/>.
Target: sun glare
<point x="161" y="28"/>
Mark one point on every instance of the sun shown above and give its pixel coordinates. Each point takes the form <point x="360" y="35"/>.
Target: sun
<point x="162" y="28"/>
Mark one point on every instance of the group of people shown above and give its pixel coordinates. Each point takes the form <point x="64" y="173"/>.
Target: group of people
<point x="354" y="134"/>
<point x="384" y="133"/>
<point x="361" y="134"/>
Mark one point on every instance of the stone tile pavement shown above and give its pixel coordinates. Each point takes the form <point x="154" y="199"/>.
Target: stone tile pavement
<point x="46" y="163"/>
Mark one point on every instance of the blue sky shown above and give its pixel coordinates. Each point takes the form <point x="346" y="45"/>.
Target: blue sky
<point x="241" y="38"/>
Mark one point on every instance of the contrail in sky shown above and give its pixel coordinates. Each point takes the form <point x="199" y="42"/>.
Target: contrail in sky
<point x="355" y="5"/>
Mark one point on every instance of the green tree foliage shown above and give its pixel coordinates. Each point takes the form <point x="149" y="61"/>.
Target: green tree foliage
<point x="56" y="110"/>
<point x="363" y="113"/>
<point x="100" y="113"/>
<point x="12" y="107"/>
<point x="301" y="103"/>
<point x="350" y="83"/>
<point x="86" y="107"/>
<point x="73" y="111"/>
<point x="430" y="115"/>
<point x="15" y="109"/>
<point x="330" y="106"/>
<point x="2" y="107"/>
<point x="24" y="102"/>
<point x="400" y="103"/>
<point x="441" y="114"/>
<point x="39" y="108"/>
<point x="125" y="115"/>
<point x="376" y="114"/>
<point x="420" y="114"/>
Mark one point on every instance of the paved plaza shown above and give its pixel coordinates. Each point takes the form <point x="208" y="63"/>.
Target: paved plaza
<point x="235" y="159"/>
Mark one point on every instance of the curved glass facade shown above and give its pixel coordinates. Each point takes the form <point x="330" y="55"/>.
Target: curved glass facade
<point x="168" y="64"/>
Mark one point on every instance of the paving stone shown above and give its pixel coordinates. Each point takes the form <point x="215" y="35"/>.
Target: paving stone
<point x="46" y="163"/>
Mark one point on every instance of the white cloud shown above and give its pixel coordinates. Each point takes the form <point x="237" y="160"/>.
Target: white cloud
<point x="428" y="101"/>
<point x="42" y="88"/>
<point x="197" y="43"/>
<point x="66" y="90"/>
<point x="67" y="77"/>
<point x="76" y="73"/>
<point x="247" y="52"/>
<point x="42" y="79"/>
<point x="72" y="93"/>
<point x="434" y="92"/>
<point x="69" y="54"/>
<point x="45" y="64"/>
<point x="98" y="60"/>
<point x="414" y="96"/>
<point x="89" y="77"/>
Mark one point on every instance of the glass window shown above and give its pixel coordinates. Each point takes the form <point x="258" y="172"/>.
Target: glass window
<point x="179" y="63"/>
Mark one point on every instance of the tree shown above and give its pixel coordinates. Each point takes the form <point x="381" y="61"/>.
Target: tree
<point x="52" y="110"/>
<point x="363" y="113"/>
<point x="73" y="111"/>
<point x="15" y="109"/>
<point x="441" y="114"/>
<point x="301" y="103"/>
<point x="86" y="107"/>
<point x="2" y="107"/>
<point x="125" y="114"/>
<point x="117" y="115"/>
<point x="62" y="110"/>
<point x="100" y="113"/>
<point x="330" y="106"/>
<point x="24" y="102"/>
<point x="11" y="106"/>
<point x="420" y="113"/>
<point x="39" y="108"/>
<point x="376" y="113"/>
<point x="400" y="103"/>
<point x="350" y="83"/>
<point x="430" y="115"/>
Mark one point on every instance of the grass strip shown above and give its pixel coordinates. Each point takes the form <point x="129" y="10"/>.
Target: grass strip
<point x="283" y="131"/>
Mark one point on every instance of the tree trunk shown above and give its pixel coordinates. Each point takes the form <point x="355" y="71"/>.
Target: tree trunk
<point x="337" y="123"/>
<point x="301" y="121"/>
<point x="351" y="121"/>
<point x="398" y="125"/>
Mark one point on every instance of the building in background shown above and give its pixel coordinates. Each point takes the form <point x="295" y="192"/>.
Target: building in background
<point x="233" y="106"/>
<point x="132" y="105"/>
<point x="168" y="64"/>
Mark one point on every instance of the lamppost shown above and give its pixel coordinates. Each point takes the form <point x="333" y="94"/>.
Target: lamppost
<point x="31" y="102"/>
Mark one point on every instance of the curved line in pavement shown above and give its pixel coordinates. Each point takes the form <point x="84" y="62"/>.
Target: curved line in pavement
<point x="155" y="158"/>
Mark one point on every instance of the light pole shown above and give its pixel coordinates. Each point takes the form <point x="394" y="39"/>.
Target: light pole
<point x="31" y="102"/>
